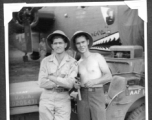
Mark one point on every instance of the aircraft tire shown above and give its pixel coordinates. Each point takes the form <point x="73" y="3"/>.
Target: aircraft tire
<point x="25" y="58"/>
<point x="138" y="114"/>
<point x="35" y="55"/>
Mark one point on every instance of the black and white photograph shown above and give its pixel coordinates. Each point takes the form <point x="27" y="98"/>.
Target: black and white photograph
<point x="76" y="61"/>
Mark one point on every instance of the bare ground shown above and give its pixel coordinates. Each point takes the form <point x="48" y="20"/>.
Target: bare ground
<point x="22" y="71"/>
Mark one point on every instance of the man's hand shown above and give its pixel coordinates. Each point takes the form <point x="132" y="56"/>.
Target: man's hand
<point x="54" y="74"/>
<point x="59" y="75"/>
<point x="77" y="85"/>
<point x="90" y="83"/>
<point x="52" y="78"/>
<point x="62" y="75"/>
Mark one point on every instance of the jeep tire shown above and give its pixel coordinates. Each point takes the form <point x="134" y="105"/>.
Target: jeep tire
<point x="138" y="114"/>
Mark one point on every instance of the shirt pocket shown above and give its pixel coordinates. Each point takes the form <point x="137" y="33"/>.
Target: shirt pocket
<point x="52" y="68"/>
<point x="64" y="71"/>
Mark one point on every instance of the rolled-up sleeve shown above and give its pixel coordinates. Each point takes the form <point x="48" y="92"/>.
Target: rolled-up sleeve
<point x="68" y="80"/>
<point x="43" y="80"/>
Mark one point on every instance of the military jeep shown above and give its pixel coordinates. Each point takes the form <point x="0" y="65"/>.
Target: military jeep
<point x="125" y="94"/>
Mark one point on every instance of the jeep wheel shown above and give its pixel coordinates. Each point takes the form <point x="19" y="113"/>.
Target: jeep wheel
<point x="138" y="114"/>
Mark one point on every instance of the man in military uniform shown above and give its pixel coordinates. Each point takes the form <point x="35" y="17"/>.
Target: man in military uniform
<point x="94" y="72"/>
<point x="42" y="49"/>
<point x="57" y="76"/>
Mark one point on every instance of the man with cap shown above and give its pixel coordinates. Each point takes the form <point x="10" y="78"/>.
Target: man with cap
<point x="57" y="76"/>
<point x="94" y="72"/>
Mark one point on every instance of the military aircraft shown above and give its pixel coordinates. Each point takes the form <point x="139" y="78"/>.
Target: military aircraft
<point x="108" y="25"/>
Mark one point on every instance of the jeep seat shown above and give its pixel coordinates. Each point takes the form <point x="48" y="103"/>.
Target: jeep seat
<point x="117" y="85"/>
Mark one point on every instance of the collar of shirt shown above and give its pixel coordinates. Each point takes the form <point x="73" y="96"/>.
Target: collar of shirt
<point x="54" y="60"/>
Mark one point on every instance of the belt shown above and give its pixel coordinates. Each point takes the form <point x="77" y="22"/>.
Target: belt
<point x="93" y="89"/>
<point x="58" y="89"/>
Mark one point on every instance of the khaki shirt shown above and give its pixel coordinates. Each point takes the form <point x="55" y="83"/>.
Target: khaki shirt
<point x="65" y="72"/>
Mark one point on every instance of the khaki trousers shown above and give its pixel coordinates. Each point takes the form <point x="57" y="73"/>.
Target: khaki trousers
<point x="54" y="106"/>
<point x="92" y="105"/>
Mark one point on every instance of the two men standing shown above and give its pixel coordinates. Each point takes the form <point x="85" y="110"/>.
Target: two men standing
<point x="57" y="76"/>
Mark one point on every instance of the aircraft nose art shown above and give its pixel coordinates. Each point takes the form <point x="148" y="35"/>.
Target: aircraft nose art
<point x="104" y="43"/>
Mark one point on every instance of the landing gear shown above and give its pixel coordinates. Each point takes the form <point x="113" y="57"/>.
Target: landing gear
<point x="25" y="58"/>
<point x="35" y="55"/>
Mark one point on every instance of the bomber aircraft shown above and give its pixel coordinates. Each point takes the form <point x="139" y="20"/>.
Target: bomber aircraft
<point x="108" y="25"/>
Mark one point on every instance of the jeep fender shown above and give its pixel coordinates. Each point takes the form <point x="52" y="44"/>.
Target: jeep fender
<point x="123" y="103"/>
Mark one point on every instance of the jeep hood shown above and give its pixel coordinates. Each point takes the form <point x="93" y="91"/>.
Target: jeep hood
<point x="24" y="93"/>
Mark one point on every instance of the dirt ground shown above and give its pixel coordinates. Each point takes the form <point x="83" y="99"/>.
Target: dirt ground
<point x="22" y="71"/>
